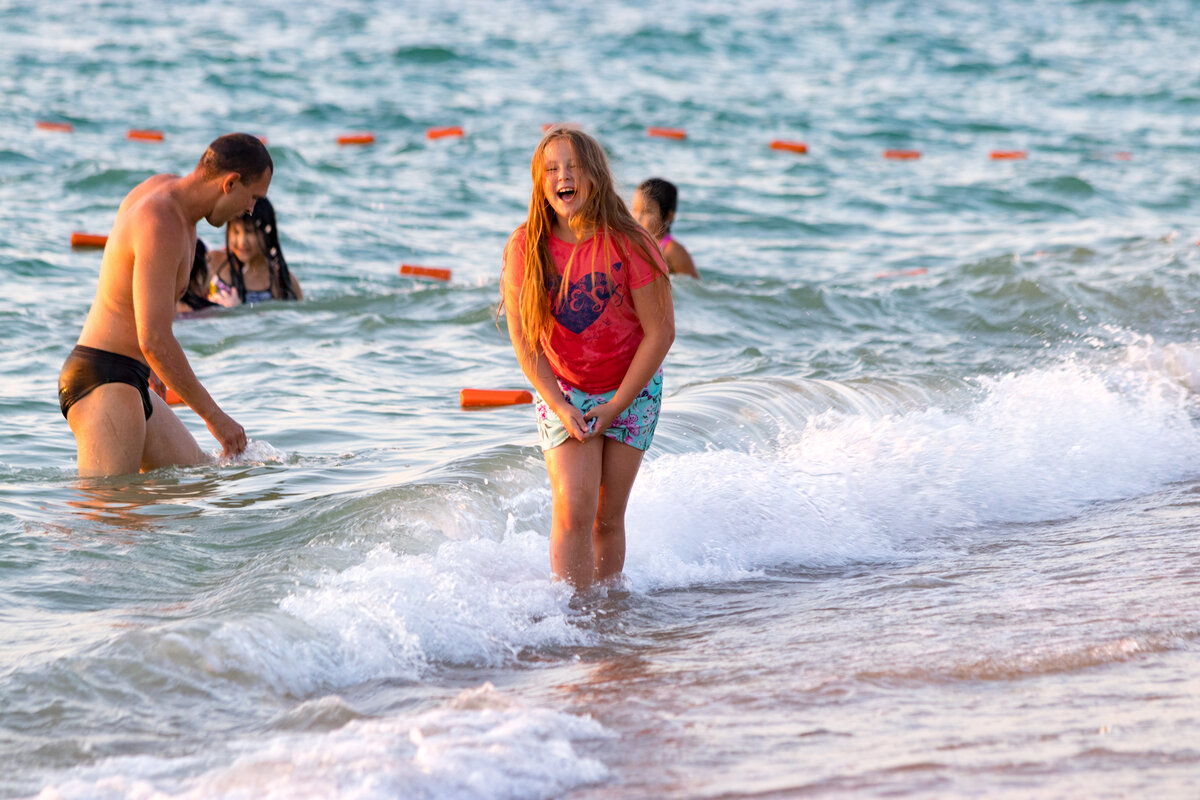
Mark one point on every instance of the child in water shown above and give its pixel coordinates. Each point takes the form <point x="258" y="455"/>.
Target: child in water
<point x="194" y="298"/>
<point x="251" y="268"/>
<point x="587" y="299"/>
<point x="654" y="206"/>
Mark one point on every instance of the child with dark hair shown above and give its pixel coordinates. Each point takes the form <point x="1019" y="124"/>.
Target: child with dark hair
<point x="654" y="207"/>
<point x="251" y="268"/>
<point x="194" y="298"/>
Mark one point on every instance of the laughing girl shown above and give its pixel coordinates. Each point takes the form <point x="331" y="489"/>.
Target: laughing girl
<point x="588" y="305"/>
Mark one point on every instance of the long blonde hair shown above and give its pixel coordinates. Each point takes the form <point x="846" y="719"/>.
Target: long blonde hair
<point x="603" y="214"/>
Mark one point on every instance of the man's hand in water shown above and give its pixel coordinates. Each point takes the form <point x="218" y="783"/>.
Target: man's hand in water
<point x="231" y="435"/>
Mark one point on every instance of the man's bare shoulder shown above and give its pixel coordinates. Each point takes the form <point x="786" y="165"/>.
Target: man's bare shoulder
<point x="151" y="212"/>
<point x="151" y="197"/>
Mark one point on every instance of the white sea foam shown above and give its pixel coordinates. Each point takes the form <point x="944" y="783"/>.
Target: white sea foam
<point x="1034" y="446"/>
<point x="473" y="602"/>
<point x="256" y="452"/>
<point x="394" y="615"/>
<point x="482" y="745"/>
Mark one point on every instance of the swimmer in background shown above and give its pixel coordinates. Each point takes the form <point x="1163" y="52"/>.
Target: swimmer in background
<point x="194" y="298"/>
<point x="251" y="268"/>
<point x="587" y="299"/>
<point x="120" y="426"/>
<point x="654" y="207"/>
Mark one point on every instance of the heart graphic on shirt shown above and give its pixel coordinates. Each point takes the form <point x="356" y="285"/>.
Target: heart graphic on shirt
<point x="585" y="301"/>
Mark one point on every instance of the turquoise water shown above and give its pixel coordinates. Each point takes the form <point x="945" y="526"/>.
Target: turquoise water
<point x="925" y="534"/>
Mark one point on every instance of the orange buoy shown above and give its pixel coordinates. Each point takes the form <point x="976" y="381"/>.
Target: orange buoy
<point x="667" y="133"/>
<point x="356" y="138"/>
<point x="487" y="398"/>
<point x="166" y="393"/>
<point x="904" y="273"/>
<point x="1008" y="155"/>
<point x="145" y="135"/>
<point x="1123" y="156"/>
<point x="60" y="127"/>
<point x="88" y="240"/>
<point x="442" y="133"/>
<point x="902" y="155"/>
<point x="437" y="273"/>
<point x="791" y="147"/>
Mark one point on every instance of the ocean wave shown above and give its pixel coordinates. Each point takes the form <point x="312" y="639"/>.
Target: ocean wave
<point x="481" y="745"/>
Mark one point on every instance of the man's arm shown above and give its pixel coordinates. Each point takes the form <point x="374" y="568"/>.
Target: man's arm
<point x="157" y="251"/>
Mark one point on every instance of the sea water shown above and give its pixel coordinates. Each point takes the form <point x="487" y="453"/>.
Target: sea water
<point x="921" y="516"/>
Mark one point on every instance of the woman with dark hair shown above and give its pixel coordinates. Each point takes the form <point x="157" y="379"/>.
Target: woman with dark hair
<point x="251" y="268"/>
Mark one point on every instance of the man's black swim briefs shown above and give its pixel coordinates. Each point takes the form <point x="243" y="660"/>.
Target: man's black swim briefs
<point x="86" y="368"/>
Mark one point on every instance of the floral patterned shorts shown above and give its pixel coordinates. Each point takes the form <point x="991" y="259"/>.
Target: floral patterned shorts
<point x="634" y="426"/>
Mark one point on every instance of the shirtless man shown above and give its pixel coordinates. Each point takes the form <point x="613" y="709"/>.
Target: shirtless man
<point x="121" y="426"/>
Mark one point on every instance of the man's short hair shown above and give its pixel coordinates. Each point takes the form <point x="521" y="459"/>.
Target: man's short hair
<point x="236" y="152"/>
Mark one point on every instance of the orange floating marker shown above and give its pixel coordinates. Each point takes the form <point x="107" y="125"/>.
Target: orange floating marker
<point x="166" y="393"/>
<point x="667" y="133"/>
<point x="1008" y="155"/>
<point x="442" y="133"/>
<point x="437" y="273"/>
<point x="488" y="398"/>
<point x="59" y="127"/>
<point x="356" y="138"/>
<point x="1123" y="156"/>
<point x="902" y="155"/>
<point x="88" y="240"/>
<point x="791" y="147"/>
<point x="144" y="135"/>
<point x="904" y="273"/>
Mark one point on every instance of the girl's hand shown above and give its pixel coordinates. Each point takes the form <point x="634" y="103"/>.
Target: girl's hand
<point x="572" y="419"/>
<point x="599" y="418"/>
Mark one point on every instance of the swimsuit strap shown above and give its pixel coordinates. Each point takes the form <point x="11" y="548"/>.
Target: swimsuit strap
<point x="665" y="240"/>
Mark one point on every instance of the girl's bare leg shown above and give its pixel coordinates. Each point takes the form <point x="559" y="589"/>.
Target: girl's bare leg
<point x="620" y="467"/>
<point x="575" y="468"/>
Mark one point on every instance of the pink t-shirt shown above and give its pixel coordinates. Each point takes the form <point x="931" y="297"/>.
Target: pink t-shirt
<point x="596" y="330"/>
